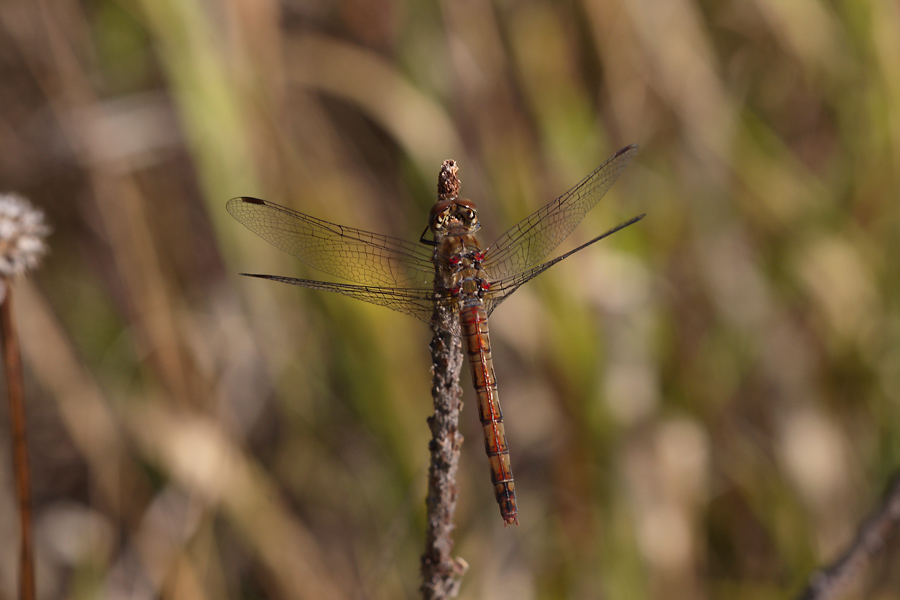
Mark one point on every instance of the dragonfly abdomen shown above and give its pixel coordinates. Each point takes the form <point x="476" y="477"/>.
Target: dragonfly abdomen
<point x="473" y="322"/>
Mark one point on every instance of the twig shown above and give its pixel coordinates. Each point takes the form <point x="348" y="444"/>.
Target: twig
<point x="442" y="574"/>
<point x="871" y="539"/>
<point x="12" y="359"/>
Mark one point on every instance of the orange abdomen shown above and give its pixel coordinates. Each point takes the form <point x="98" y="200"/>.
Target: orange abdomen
<point x="473" y="321"/>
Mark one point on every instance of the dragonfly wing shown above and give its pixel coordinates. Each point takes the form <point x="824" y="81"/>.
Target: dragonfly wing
<point x="353" y="254"/>
<point x="530" y="240"/>
<point x="415" y="302"/>
<point x="502" y="289"/>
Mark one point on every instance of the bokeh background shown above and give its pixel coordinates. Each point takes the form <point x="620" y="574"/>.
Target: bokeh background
<point x="703" y="406"/>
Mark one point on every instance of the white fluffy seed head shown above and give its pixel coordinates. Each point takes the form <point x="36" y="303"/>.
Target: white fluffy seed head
<point x="22" y="233"/>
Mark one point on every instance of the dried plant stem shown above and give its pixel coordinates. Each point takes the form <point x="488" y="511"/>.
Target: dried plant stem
<point x="442" y="574"/>
<point x="15" y="391"/>
<point x="834" y="581"/>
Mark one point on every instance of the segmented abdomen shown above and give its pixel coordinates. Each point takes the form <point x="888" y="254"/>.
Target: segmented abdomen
<point x="473" y="321"/>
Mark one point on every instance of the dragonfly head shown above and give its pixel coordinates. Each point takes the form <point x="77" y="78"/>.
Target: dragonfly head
<point x="453" y="217"/>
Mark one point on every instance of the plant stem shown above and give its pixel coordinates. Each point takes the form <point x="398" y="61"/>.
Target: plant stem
<point x="871" y="539"/>
<point x="15" y="391"/>
<point x="442" y="574"/>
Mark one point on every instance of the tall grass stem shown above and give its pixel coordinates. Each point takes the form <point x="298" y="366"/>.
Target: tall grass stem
<point x="12" y="362"/>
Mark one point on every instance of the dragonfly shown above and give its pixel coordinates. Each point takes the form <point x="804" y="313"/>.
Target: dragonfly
<point x="452" y="270"/>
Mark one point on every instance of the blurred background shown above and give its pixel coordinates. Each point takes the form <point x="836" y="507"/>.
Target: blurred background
<point x="703" y="406"/>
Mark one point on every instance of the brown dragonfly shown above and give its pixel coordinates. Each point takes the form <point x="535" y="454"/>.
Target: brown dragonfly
<point x="452" y="270"/>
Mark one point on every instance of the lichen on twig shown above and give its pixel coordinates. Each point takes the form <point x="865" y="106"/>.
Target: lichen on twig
<point x="441" y="573"/>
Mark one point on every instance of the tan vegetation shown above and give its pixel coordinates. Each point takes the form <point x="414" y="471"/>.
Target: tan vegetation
<point x="706" y="405"/>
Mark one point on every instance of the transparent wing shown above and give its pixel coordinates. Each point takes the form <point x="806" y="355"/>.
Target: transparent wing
<point x="502" y="289"/>
<point x="353" y="254"/>
<point x="530" y="240"/>
<point x="415" y="302"/>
